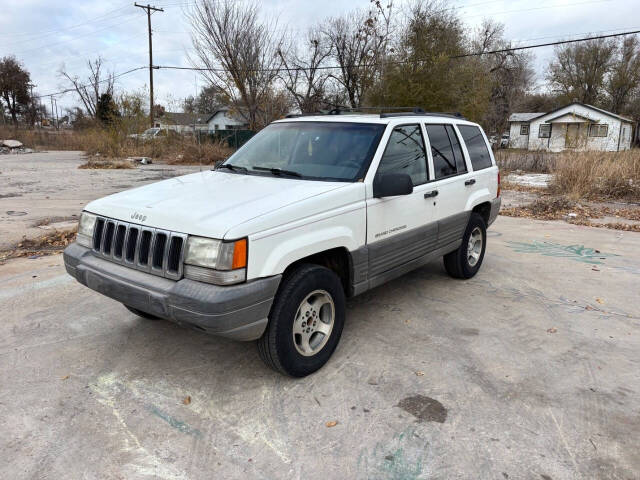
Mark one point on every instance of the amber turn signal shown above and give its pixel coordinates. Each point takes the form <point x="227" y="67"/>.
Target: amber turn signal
<point x="239" y="254"/>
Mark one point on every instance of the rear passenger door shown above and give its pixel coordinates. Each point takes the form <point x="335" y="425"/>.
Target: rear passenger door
<point x="484" y="177"/>
<point x="451" y="177"/>
<point x="400" y="228"/>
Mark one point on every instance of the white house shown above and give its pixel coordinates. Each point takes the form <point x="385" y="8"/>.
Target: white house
<point x="576" y="126"/>
<point x="225" y="119"/>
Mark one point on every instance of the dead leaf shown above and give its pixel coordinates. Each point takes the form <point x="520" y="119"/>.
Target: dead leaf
<point x="65" y="377"/>
<point x="588" y="307"/>
<point x="600" y="301"/>
<point x="332" y="423"/>
<point x="187" y="400"/>
<point x="420" y="374"/>
<point x="552" y="330"/>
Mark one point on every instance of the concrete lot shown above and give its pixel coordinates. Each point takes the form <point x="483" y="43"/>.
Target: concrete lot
<point x="531" y="370"/>
<point x="48" y="186"/>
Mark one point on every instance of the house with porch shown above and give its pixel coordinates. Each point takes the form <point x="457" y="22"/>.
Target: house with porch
<point x="576" y="126"/>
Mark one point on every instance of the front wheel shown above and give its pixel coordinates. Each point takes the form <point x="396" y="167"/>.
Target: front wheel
<point x="305" y="322"/>
<point x="466" y="260"/>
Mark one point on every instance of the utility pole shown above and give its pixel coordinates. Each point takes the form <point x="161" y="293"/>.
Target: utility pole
<point x="150" y="9"/>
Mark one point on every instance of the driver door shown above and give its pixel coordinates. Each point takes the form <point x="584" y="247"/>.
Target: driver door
<point x="401" y="228"/>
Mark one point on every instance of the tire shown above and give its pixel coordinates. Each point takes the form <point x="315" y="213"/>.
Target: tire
<point x="140" y="313"/>
<point x="460" y="263"/>
<point x="313" y="292"/>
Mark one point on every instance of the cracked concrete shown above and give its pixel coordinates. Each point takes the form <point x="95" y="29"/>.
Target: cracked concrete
<point x="530" y="370"/>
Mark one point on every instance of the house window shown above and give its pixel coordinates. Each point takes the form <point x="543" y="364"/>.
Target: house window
<point x="524" y="129"/>
<point x="216" y="126"/>
<point x="544" y="131"/>
<point x="598" y="130"/>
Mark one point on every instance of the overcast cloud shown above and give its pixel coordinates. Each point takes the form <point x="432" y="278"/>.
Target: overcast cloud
<point x="44" y="35"/>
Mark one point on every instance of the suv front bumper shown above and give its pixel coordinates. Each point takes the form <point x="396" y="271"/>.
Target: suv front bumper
<point x="237" y="311"/>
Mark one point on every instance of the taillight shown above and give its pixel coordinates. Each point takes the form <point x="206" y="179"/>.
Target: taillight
<point x="498" y="184"/>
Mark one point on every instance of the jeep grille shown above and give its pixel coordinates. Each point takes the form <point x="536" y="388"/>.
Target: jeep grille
<point x="151" y="250"/>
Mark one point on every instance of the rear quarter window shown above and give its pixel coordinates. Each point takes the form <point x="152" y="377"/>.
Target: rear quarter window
<point x="476" y="146"/>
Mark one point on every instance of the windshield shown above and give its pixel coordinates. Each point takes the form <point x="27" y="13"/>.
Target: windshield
<point x="338" y="151"/>
<point x="151" y="131"/>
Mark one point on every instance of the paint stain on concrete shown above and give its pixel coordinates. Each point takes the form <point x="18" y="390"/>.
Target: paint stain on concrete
<point x="399" y="458"/>
<point x="174" y="422"/>
<point x="469" y="332"/>
<point x="578" y="253"/>
<point x="425" y="409"/>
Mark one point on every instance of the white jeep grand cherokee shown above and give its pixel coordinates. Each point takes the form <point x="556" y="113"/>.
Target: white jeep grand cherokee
<point x="312" y="210"/>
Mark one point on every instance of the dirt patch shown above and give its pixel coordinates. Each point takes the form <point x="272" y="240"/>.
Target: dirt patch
<point x="48" y="244"/>
<point x="107" y="164"/>
<point x="425" y="409"/>
<point x="563" y="208"/>
<point x="10" y="195"/>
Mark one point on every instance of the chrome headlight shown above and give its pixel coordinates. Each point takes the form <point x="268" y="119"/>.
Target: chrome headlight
<point x="85" y="229"/>
<point x="214" y="261"/>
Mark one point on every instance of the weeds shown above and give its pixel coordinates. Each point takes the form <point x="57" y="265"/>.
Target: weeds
<point x="528" y="161"/>
<point x="114" y="143"/>
<point x="107" y="164"/>
<point x="597" y="175"/>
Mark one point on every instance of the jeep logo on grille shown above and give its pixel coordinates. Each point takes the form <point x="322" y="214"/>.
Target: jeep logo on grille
<point x="138" y="216"/>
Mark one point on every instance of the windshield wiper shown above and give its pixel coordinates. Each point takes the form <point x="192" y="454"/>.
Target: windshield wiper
<point x="278" y="171"/>
<point x="233" y="168"/>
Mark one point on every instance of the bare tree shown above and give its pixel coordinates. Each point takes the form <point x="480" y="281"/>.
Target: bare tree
<point x="358" y="42"/>
<point x="579" y="69"/>
<point x="624" y="79"/>
<point x="303" y="74"/>
<point x="93" y="87"/>
<point x="510" y="73"/>
<point x="237" y="52"/>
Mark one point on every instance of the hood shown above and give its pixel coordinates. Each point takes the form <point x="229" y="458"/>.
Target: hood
<point x="207" y="203"/>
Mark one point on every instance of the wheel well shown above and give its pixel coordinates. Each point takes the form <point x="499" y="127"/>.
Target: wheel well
<point x="337" y="260"/>
<point x="484" y="209"/>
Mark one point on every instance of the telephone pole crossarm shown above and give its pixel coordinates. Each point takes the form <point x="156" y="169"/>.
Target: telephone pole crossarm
<point x="149" y="9"/>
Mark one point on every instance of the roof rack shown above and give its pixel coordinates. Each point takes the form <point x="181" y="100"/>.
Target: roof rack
<point x="420" y="112"/>
<point x="350" y="111"/>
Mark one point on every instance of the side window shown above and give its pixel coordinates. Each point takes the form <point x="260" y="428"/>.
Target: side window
<point x="445" y="148"/>
<point x="476" y="146"/>
<point x="405" y="154"/>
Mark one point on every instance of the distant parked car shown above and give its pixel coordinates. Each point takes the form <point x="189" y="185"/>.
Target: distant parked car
<point x="154" y="134"/>
<point x="504" y="141"/>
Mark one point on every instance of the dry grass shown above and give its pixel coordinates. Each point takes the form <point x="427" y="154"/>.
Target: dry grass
<point x="107" y="164"/>
<point x="115" y="143"/>
<point x="598" y="175"/>
<point x="210" y="153"/>
<point x="528" y="161"/>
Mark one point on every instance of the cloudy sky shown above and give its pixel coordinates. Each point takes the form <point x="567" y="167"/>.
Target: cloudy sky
<point x="45" y="35"/>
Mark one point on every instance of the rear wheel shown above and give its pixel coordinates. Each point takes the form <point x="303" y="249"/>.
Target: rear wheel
<point x="466" y="260"/>
<point x="305" y="322"/>
<point x="140" y="313"/>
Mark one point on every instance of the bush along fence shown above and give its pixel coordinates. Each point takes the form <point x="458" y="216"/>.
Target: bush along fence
<point x="233" y="138"/>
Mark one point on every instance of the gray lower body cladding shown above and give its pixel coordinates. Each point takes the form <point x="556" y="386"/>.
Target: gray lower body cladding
<point x="236" y="311"/>
<point x="387" y="259"/>
<point x="495" y="210"/>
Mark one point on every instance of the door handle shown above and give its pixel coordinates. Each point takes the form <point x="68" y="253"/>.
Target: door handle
<point x="470" y="182"/>
<point x="433" y="193"/>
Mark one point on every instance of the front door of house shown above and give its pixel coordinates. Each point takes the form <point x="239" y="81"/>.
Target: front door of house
<point x="571" y="140"/>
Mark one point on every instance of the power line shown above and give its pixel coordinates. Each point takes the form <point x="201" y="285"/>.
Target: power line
<point x="402" y="62"/>
<point x="108" y="79"/>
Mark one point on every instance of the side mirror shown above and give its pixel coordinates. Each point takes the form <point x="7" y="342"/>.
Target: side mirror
<point x="392" y="184"/>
